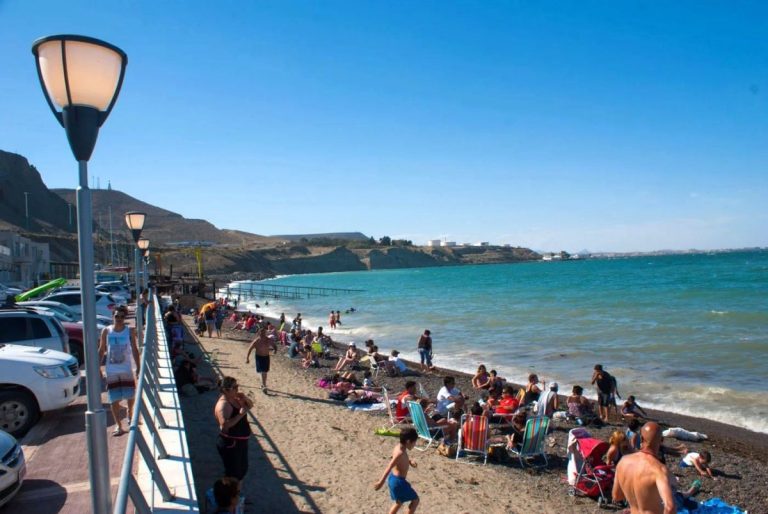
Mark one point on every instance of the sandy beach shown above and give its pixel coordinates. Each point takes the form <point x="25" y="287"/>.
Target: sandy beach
<point x="312" y="454"/>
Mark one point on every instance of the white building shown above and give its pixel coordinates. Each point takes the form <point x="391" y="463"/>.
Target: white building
<point x="29" y="261"/>
<point x="482" y="243"/>
<point x="433" y="242"/>
<point x="449" y="244"/>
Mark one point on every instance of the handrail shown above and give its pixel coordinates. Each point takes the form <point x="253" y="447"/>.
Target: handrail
<point x="147" y="398"/>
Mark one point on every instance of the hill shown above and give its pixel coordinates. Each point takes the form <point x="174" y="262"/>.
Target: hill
<point x="342" y="236"/>
<point x="20" y="181"/>
<point x="162" y="226"/>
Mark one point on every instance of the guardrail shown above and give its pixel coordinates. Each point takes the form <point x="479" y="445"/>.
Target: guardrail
<point x="156" y="399"/>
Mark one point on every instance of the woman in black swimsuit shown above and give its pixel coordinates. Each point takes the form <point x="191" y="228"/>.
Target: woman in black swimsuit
<point x="231" y="413"/>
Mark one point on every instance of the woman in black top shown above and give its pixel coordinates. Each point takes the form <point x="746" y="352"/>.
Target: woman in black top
<point x="231" y="413"/>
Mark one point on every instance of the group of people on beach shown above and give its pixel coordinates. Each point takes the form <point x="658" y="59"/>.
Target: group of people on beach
<point x="635" y="451"/>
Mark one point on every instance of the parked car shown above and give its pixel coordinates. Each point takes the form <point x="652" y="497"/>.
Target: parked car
<point x="12" y="467"/>
<point x="69" y="312"/>
<point x="6" y="291"/>
<point x="31" y="328"/>
<point x="34" y="380"/>
<point x="104" y="302"/>
<point x="119" y="292"/>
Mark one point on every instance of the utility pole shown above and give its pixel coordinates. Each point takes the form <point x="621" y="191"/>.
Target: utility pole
<point x="26" y="208"/>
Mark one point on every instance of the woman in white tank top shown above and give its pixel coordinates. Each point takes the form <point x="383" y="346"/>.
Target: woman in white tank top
<point x="118" y="343"/>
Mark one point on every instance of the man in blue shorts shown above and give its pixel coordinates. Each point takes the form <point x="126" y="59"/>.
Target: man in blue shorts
<point x="262" y="345"/>
<point x="400" y="489"/>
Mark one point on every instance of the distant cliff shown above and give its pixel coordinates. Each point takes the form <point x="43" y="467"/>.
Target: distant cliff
<point x="232" y="254"/>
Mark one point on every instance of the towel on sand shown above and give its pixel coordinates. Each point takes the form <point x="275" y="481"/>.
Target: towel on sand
<point x="367" y="406"/>
<point x="713" y="506"/>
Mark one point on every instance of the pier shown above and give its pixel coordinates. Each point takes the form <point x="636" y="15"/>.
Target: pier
<point x="248" y="290"/>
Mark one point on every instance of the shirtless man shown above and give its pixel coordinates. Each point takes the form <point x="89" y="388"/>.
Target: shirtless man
<point x="262" y="344"/>
<point x="642" y="480"/>
<point x="400" y="489"/>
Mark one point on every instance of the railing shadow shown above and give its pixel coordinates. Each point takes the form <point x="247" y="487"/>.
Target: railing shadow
<point x="267" y="487"/>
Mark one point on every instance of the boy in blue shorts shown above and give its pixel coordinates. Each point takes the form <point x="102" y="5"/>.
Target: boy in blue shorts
<point x="397" y="470"/>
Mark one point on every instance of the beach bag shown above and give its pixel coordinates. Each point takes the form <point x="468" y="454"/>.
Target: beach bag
<point x="447" y="450"/>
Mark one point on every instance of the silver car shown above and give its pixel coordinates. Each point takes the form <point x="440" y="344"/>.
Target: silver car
<point x="12" y="467"/>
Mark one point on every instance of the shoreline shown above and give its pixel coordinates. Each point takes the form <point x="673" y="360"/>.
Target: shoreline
<point x="742" y="455"/>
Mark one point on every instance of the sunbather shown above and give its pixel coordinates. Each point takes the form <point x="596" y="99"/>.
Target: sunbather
<point x="349" y="358"/>
<point x="631" y="409"/>
<point x="481" y="380"/>
<point x="579" y="407"/>
<point x="619" y="447"/>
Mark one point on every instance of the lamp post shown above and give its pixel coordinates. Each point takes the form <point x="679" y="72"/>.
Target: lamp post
<point x="26" y="207"/>
<point x="81" y="78"/>
<point x="135" y="221"/>
<point x="143" y="245"/>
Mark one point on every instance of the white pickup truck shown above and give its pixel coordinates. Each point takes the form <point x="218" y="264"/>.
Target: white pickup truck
<point x="34" y="380"/>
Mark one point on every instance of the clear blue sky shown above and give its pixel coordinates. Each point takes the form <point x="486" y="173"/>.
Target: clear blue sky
<point x="554" y="125"/>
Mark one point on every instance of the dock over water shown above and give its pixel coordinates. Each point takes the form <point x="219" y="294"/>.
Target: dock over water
<point x="247" y="290"/>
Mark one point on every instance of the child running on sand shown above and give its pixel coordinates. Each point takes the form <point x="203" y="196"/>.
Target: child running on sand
<point x="395" y="474"/>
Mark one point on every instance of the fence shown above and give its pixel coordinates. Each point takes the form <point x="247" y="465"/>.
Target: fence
<point x="164" y="480"/>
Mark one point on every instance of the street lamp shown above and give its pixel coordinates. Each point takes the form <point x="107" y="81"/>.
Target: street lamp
<point x="135" y="221"/>
<point x="143" y="245"/>
<point x="81" y="78"/>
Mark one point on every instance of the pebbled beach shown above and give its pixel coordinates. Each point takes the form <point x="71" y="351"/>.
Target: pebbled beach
<point x="312" y="454"/>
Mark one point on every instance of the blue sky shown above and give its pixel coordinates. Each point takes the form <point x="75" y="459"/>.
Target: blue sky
<point x="554" y="125"/>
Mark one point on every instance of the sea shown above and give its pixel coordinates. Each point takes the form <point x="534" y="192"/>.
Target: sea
<point x="682" y="333"/>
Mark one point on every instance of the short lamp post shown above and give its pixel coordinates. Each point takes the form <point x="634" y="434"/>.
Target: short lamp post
<point x="143" y="245"/>
<point x="135" y="221"/>
<point x="81" y="78"/>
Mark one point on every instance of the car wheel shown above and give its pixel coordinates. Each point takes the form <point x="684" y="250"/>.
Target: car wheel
<point x="76" y="351"/>
<point x="18" y="412"/>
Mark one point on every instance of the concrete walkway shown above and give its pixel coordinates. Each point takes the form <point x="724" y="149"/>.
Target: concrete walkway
<point x="57" y="463"/>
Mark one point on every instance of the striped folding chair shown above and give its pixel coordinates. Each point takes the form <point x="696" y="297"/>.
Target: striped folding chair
<point x="425" y="432"/>
<point x="473" y="436"/>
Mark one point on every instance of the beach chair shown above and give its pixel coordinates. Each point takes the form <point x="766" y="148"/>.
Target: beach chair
<point x="425" y="432"/>
<point x="373" y="365"/>
<point x="533" y="441"/>
<point x="473" y="436"/>
<point x="391" y="412"/>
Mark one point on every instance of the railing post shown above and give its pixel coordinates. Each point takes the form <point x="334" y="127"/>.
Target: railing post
<point x="139" y="502"/>
<point x="161" y="451"/>
<point x="149" y="460"/>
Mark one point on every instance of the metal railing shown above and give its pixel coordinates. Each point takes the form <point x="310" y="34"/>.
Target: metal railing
<point x="148" y="405"/>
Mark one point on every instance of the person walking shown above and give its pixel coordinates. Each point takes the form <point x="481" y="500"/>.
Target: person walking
<point x="425" y="351"/>
<point x="118" y="343"/>
<point x="231" y="412"/>
<point x="262" y="344"/>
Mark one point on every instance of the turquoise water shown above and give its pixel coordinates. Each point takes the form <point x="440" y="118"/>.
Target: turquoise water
<point x="686" y="333"/>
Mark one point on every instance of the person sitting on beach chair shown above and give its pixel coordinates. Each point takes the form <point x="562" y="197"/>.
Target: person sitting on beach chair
<point x="506" y="406"/>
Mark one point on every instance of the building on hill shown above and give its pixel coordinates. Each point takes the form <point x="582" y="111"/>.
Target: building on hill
<point x="433" y="242"/>
<point x="23" y="262"/>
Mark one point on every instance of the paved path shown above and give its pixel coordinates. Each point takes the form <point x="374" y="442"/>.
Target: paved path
<point x="57" y="463"/>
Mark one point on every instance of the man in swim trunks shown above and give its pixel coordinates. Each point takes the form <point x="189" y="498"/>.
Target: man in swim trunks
<point x="642" y="480"/>
<point x="395" y="474"/>
<point x="425" y="351"/>
<point x="606" y="391"/>
<point x="262" y="344"/>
